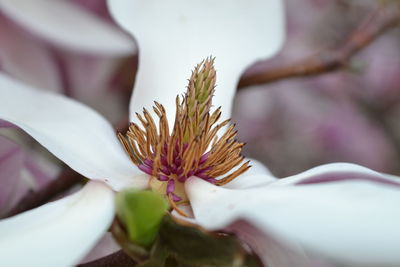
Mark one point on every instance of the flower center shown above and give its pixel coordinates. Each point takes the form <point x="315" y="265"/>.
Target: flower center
<point x="193" y="147"/>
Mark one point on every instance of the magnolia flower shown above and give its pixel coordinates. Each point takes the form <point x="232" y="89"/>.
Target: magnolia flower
<point x="68" y="228"/>
<point x="283" y="221"/>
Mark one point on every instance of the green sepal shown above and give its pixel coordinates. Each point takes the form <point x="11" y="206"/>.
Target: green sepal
<point x="141" y="213"/>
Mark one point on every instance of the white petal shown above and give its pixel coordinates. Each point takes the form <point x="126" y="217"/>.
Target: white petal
<point x="337" y="172"/>
<point x="176" y="35"/>
<point x="257" y="175"/>
<point x="71" y="131"/>
<point x="59" y="233"/>
<point x="69" y="26"/>
<point x="353" y="222"/>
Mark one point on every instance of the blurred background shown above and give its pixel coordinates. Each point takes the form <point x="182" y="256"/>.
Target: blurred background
<point x="290" y="124"/>
<point x="349" y="115"/>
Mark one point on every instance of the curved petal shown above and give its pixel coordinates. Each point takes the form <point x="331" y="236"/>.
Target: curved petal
<point x="69" y="26"/>
<point x="71" y="131"/>
<point x="353" y="222"/>
<point x="59" y="233"/>
<point x="175" y="35"/>
<point x="334" y="172"/>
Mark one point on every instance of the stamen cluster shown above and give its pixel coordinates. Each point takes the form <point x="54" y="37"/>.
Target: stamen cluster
<point x="193" y="147"/>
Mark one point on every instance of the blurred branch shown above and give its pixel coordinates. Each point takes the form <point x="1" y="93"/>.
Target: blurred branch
<point x="377" y="22"/>
<point x="33" y="199"/>
<point x="117" y="259"/>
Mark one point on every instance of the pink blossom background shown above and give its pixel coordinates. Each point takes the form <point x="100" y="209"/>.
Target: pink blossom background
<point x="348" y="115"/>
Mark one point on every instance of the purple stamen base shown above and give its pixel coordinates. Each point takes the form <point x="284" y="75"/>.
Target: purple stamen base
<point x="171" y="186"/>
<point x="175" y="169"/>
<point x="175" y="198"/>
<point x="146" y="169"/>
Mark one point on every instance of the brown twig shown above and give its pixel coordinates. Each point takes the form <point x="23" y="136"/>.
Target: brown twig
<point x="33" y="199"/>
<point x="378" y="22"/>
<point x="117" y="259"/>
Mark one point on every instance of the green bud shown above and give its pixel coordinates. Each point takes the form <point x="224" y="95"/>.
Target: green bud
<point x="141" y="213"/>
